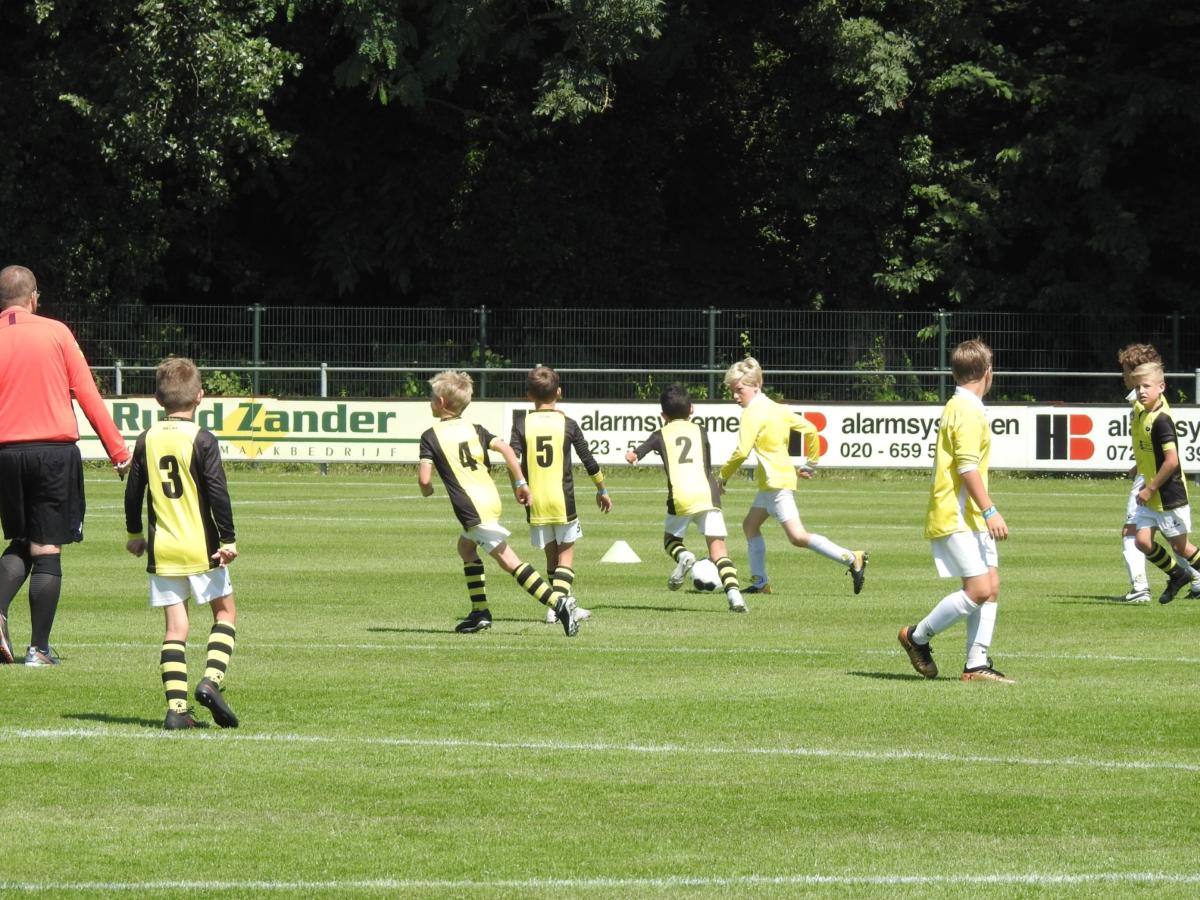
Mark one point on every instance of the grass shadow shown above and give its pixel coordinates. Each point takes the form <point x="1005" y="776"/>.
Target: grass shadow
<point x="108" y="719"/>
<point x="890" y="676"/>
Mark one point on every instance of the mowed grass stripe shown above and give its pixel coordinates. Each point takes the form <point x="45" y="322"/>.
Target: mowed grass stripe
<point x="539" y="746"/>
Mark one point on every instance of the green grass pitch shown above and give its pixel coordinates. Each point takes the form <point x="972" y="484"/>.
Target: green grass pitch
<point x="671" y="749"/>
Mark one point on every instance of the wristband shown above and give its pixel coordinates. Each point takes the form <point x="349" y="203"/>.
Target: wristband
<point x="601" y="492"/>
<point x="520" y="483"/>
<point x="990" y="511"/>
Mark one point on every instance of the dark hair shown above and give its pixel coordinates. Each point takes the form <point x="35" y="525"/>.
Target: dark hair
<point x="676" y="401"/>
<point x="542" y="384"/>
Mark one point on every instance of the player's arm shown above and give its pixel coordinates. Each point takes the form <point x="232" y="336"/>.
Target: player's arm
<point x="652" y="443"/>
<point x="425" y="478"/>
<point x="812" y="444"/>
<point x="1164" y="436"/>
<point x="83" y="386"/>
<point x="966" y="440"/>
<point x="135" y="491"/>
<point x="584" y="452"/>
<point x="216" y="491"/>
<point x="747" y="435"/>
<point x="520" y="486"/>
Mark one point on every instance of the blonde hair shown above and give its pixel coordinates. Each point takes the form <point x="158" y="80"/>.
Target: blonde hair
<point x="542" y="384"/>
<point x="1133" y="355"/>
<point x="1148" y="371"/>
<point x="177" y="384"/>
<point x="747" y="371"/>
<point x="970" y="361"/>
<point x="453" y="388"/>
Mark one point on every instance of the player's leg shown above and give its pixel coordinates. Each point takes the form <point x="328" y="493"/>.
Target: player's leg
<point x="1135" y="559"/>
<point x="15" y="565"/>
<point x="479" y="618"/>
<point x="718" y="552"/>
<point x="562" y="576"/>
<point x="674" y="528"/>
<point x="532" y="582"/>
<point x="756" y="545"/>
<point x="1176" y="524"/>
<point x="788" y="515"/>
<point x="981" y="625"/>
<point x="45" y="587"/>
<point x="1158" y="556"/>
<point x="172" y="658"/>
<point x="221" y="640"/>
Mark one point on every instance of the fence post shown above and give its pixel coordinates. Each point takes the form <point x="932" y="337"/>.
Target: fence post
<point x="483" y="351"/>
<point x="117" y="385"/>
<point x="943" y="360"/>
<point x="324" y="393"/>
<point x="712" y="354"/>
<point x="256" y="349"/>
<point x="1175" y="319"/>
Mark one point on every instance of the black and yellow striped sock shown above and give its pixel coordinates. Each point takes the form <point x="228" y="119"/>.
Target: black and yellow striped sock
<point x="220" y="648"/>
<point x="728" y="573"/>
<point x="563" y="580"/>
<point x="1161" y="558"/>
<point x="1194" y="560"/>
<point x="476" y="584"/>
<point x="674" y="547"/>
<point x="172" y="662"/>
<point x="535" y="585"/>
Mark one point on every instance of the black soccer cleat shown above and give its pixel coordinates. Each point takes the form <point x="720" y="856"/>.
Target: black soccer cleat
<point x="1175" y="582"/>
<point x="476" y="620"/>
<point x="858" y="569"/>
<point x="177" y="721"/>
<point x="209" y="696"/>
<point x="565" y="610"/>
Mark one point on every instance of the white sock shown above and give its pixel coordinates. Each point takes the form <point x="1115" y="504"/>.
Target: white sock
<point x="949" y="610"/>
<point x="1183" y="563"/>
<point x="756" y="549"/>
<point x="980" y="625"/>
<point x="1135" y="559"/>
<point x="827" y="548"/>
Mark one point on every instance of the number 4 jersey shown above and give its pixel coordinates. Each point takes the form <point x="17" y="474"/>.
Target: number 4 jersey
<point x="459" y="452"/>
<point x="177" y="466"/>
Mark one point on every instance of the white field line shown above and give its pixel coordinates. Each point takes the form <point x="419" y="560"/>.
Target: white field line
<point x="1032" y="879"/>
<point x="456" y="645"/>
<point x="873" y="756"/>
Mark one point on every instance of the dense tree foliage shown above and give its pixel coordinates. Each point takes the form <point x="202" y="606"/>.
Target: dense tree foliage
<point x="906" y="153"/>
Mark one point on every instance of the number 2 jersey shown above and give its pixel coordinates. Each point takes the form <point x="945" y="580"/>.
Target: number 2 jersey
<point x="544" y="440"/>
<point x="459" y="453"/>
<point x="177" y="467"/>
<point x="683" y="446"/>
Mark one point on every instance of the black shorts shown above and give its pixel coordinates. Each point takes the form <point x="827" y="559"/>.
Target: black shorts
<point x="41" y="492"/>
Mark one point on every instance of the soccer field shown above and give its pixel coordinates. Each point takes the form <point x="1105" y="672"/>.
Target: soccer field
<point x="671" y="749"/>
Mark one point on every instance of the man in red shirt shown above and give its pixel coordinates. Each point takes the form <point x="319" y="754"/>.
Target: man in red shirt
<point x="41" y="472"/>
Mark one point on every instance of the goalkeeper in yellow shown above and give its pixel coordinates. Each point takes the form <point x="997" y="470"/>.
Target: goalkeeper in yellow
<point x="962" y="523"/>
<point x="766" y="429"/>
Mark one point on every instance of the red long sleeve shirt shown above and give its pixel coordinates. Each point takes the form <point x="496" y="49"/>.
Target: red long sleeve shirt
<point x="40" y="366"/>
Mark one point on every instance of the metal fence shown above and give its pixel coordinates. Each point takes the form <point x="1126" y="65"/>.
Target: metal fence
<point x="622" y="354"/>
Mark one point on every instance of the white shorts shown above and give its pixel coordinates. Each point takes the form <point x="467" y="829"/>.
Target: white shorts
<point x="541" y="535"/>
<point x="780" y="504"/>
<point x="965" y="554"/>
<point x="1131" y="505"/>
<point x="168" y="590"/>
<point x="488" y="535"/>
<point x="710" y="523"/>
<point x="1171" y="522"/>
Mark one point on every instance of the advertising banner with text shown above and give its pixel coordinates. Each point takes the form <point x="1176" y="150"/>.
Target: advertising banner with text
<point x="894" y="436"/>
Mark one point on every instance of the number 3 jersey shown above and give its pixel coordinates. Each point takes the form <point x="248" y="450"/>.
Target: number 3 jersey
<point x="459" y="452"/>
<point x="177" y="467"/>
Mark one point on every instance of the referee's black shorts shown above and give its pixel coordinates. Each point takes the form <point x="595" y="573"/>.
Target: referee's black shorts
<point x="41" y="492"/>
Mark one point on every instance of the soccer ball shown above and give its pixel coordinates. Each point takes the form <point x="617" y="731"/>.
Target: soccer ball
<point x="705" y="576"/>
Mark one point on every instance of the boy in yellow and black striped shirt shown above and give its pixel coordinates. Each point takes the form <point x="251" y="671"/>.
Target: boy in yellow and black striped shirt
<point x="190" y="540"/>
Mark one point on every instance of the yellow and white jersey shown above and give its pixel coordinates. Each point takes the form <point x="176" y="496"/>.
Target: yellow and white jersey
<point x="683" y="446"/>
<point x="545" y="440"/>
<point x="459" y="452"/>
<point x="1152" y="433"/>
<point x="964" y="443"/>
<point x="766" y="428"/>
<point x="177" y="467"/>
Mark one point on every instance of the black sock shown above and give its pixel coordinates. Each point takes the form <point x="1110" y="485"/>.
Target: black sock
<point x="14" y="569"/>
<point x="45" y="583"/>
